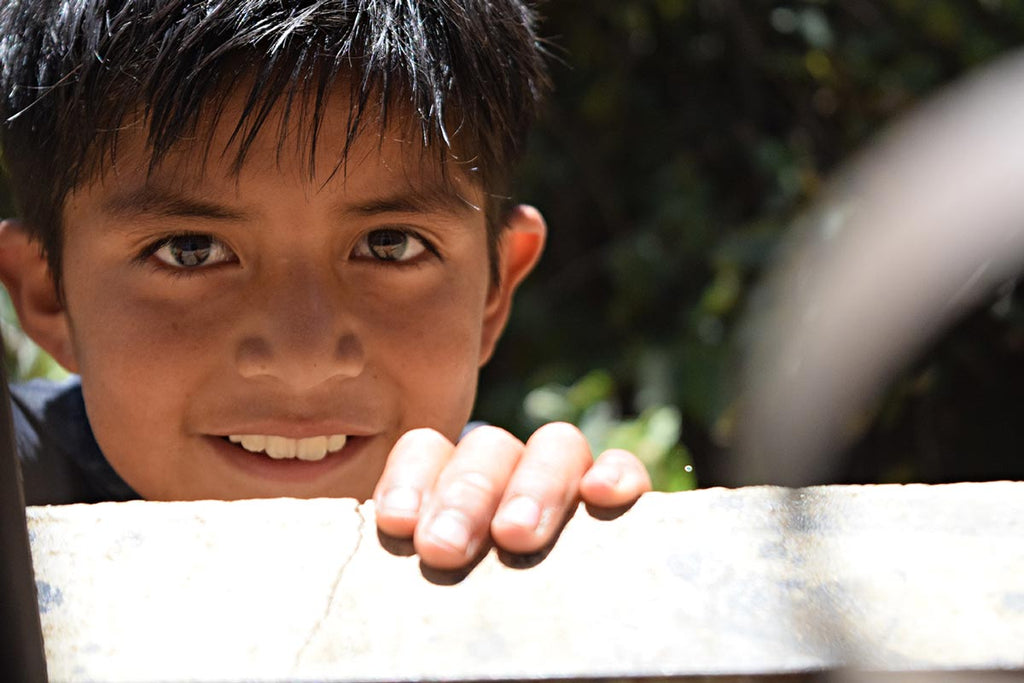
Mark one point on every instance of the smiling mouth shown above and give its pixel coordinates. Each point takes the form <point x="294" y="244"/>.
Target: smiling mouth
<point x="282" y="448"/>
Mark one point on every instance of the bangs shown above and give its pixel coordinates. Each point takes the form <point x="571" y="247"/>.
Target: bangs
<point x="463" y="76"/>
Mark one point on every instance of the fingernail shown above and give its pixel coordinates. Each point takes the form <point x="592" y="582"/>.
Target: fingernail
<point x="401" y="500"/>
<point x="521" y="511"/>
<point x="450" y="529"/>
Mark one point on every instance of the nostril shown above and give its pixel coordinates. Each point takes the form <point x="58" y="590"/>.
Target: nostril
<point x="300" y="361"/>
<point x="349" y="351"/>
<point x="253" y="357"/>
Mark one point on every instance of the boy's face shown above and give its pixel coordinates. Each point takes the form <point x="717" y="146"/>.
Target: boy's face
<point x="203" y="305"/>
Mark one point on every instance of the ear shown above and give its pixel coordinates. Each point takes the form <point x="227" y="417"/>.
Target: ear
<point x="26" y="276"/>
<point x="522" y="241"/>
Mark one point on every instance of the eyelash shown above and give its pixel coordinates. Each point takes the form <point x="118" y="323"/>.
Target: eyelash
<point x="147" y="254"/>
<point x="411" y="234"/>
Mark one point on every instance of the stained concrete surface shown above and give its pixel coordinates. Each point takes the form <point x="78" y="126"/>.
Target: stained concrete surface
<point x="712" y="582"/>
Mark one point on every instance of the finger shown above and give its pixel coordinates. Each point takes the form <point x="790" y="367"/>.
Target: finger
<point x="543" y="488"/>
<point x="455" y="522"/>
<point x="409" y="476"/>
<point x="616" y="478"/>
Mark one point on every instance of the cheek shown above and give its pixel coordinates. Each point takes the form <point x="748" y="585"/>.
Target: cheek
<point x="428" y="342"/>
<point x="141" y="363"/>
<point x="143" y="354"/>
<point x="133" y="334"/>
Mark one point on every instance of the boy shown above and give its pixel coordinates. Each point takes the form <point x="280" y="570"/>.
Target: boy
<point x="271" y="239"/>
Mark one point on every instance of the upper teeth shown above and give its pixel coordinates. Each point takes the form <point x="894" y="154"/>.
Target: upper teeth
<point x="279" y="447"/>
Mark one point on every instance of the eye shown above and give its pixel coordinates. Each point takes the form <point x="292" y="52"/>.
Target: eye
<point x="192" y="250"/>
<point x="391" y="244"/>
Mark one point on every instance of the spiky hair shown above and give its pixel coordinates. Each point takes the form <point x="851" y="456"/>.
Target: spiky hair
<point x="468" y="73"/>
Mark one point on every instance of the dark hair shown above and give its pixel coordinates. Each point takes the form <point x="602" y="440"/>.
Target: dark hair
<point x="469" y="72"/>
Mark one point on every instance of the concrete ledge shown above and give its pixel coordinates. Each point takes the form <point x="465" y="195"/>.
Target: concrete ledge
<point x="757" y="580"/>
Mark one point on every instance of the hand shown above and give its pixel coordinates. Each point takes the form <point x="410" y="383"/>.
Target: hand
<point x="448" y="497"/>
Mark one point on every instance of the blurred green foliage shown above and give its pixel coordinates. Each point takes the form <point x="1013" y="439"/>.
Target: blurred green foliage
<point x="591" y="403"/>
<point x="682" y="138"/>
<point x="22" y="358"/>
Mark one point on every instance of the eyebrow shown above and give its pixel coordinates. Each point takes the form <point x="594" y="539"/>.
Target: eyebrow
<point x="149" y="200"/>
<point x="158" y="202"/>
<point x="433" y="199"/>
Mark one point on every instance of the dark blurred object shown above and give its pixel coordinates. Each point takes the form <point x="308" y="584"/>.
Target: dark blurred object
<point x="22" y="657"/>
<point x="927" y="225"/>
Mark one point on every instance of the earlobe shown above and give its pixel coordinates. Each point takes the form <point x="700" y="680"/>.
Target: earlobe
<point x="522" y="242"/>
<point x="26" y="276"/>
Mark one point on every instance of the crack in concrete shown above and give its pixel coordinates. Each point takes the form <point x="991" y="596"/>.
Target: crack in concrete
<point x="315" y="631"/>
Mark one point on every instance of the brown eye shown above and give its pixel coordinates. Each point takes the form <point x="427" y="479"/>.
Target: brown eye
<point x="390" y="244"/>
<point x="192" y="251"/>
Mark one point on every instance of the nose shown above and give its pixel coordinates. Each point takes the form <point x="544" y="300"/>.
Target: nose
<point x="300" y="333"/>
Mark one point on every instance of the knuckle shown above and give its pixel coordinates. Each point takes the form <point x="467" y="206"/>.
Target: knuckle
<point x="545" y="481"/>
<point x="469" y="490"/>
<point x="542" y="472"/>
<point x="423" y="436"/>
<point x="490" y="436"/>
<point x="560" y="431"/>
<point x="489" y="452"/>
<point x="478" y="481"/>
<point x="420" y="446"/>
<point x="620" y="458"/>
<point x="561" y="444"/>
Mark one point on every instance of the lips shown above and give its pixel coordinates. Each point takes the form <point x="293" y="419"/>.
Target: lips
<point x="281" y="447"/>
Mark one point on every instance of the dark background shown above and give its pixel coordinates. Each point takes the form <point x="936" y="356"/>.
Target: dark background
<point x="682" y="138"/>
